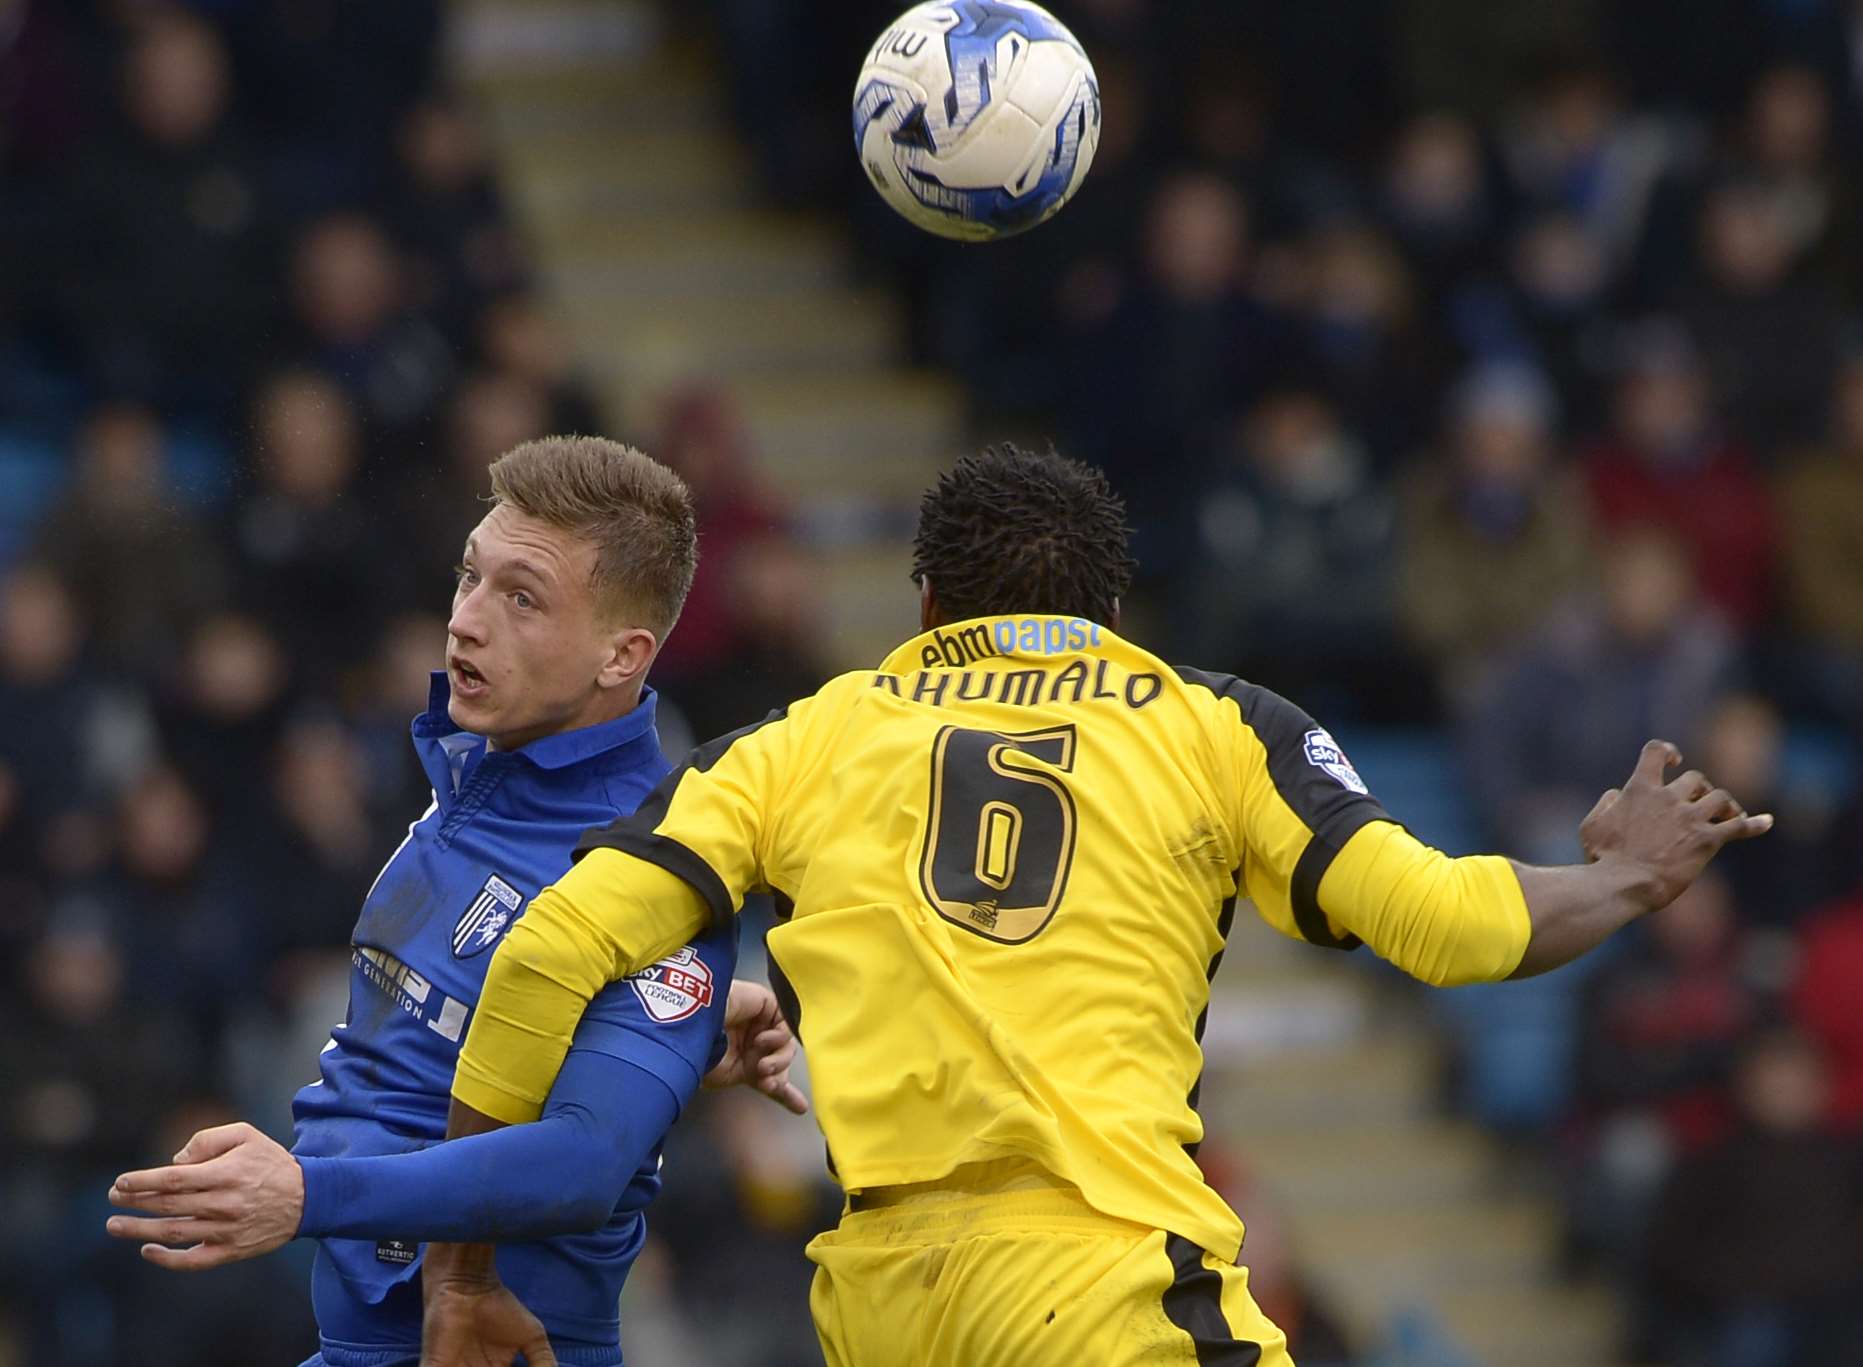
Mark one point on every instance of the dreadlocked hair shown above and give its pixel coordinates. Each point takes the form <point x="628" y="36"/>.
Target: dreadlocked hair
<point x="1015" y="531"/>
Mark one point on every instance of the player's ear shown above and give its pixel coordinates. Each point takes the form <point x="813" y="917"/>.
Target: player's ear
<point x="929" y="615"/>
<point x="631" y="650"/>
<point x="1113" y="626"/>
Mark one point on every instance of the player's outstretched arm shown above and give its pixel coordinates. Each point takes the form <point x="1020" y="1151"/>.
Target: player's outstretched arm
<point x="233" y="1193"/>
<point x="1482" y="918"/>
<point x="1646" y="842"/>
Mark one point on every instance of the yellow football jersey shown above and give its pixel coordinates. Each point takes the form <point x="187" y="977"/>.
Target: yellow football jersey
<point x="1009" y="859"/>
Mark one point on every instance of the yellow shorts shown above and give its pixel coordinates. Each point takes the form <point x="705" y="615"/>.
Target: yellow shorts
<point x="1016" y="1270"/>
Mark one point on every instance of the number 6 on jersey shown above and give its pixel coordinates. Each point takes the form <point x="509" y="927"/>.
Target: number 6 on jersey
<point x="1000" y="835"/>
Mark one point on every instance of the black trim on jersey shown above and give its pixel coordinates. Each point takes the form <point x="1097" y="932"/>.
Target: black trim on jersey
<point x="637" y="834"/>
<point x="1194" y="1303"/>
<point x="1329" y="809"/>
<point x="785" y="992"/>
<point x="675" y="858"/>
<point x="1304" y="894"/>
<point x="1224" y="920"/>
<point x="792" y="1005"/>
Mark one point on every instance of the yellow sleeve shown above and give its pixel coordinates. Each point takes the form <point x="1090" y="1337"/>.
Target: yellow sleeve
<point x="1292" y="799"/>
<point x="643" y="887"/>
<point x="609" y="916"/>
<point x="1325" y="863"/>
<point x="1442" y="920"/>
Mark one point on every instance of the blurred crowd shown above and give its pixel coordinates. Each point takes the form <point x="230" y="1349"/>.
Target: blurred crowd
<point x="264" y="320"/>
<point x="1499" y="368"/>
<point x="1491" y="368"/>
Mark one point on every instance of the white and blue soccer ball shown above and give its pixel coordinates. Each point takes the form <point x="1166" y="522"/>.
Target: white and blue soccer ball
<point x="977" y="119"/>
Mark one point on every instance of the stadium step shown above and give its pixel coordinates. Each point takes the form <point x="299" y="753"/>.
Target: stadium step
<point x="569" y="174"/>
<point x="1533" y="1326"/>
<point x="641" y="348"/>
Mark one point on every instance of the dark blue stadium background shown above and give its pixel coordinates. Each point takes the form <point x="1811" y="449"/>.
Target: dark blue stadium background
<point x="1487" y="375"/>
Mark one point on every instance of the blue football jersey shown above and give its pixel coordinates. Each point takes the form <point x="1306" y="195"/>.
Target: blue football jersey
<point x="502" y="827"/>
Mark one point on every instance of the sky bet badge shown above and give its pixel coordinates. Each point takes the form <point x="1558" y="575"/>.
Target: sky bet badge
<point x="485" y="920"/>
<point x="1324" y="754"/>
<point x="674" y="988"/>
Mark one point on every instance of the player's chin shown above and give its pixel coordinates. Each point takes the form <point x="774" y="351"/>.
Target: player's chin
<point x="473" y="709"/>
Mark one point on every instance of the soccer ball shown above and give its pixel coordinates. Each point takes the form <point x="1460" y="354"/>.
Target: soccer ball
<point x="977" y="119"/>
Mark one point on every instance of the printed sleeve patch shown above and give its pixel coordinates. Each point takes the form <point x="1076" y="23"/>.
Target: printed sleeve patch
<point x="675" y="988"/>
<point x="1324" y="754"/>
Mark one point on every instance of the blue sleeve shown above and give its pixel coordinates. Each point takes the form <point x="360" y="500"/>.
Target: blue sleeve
<point x="562" y="1175"/>
<point x="668" y="1019"/>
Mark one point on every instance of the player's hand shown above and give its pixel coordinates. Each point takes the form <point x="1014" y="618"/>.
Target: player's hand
<point x="758" y="1048"/>
<point x="1668" y="830"/>
<point x="232" y="1193"/>
<point x="475" y="1321"/>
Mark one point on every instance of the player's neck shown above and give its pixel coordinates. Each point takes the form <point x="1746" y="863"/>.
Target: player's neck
<point x="605" y="706"/>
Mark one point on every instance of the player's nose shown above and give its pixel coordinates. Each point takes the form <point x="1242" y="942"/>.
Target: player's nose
<point x="468" y="620"/>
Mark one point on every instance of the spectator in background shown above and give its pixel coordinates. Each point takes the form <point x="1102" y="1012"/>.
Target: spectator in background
<point x="1821" y="497"/>
<point x="490" y="412"/>
<point x="1666" y="464"/>
<point x="1742" y="743"/>
<point x="1768" y="335"/>
<point x="1493" y="532"/>
<point x="187" y="910"/>
<point x="168" y="244"/>
<point x="702" y="440"/>
<point x="1157" y="377"/>
<point x="1662" y="1023"/>
<point x="773" y="654"/>
<point x="1754" y="1254"/>
<point x="141" y="567"/>
<point x="1824" y="1002"/>
<point x="517" y="336"/>
<point x="68" y="741"/>
<point x="445" y="211"/>
<point x="1572" y="147"/>
<point x="1362" y="338"/>
<point x="1787" y="153"/>
<point x="325" y="853"/>
<point x="1439" y="203"/>
<point x="315" y="560"/>
<point x="355" y="307"/>
<point x="326" y="81"/>
<point x="1642" y="657"/>
<point x="218" y="711"/>
<point x="1294" y="559"/>
<point x="1551" y="309"/>
<point x="89" y="1073"/>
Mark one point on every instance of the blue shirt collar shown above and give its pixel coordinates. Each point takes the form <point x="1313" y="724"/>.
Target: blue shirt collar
<point x="550" y="752"/>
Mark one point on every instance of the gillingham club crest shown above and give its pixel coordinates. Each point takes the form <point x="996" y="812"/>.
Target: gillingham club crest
<point x="674" y="988"/>
<point x="480" y="925"/>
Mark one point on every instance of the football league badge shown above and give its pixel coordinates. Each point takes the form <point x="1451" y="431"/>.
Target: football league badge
<point x="674" y="988"/>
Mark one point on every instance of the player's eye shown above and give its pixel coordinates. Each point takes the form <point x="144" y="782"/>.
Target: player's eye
<point x="465" y="574"/>
<point x="523" y="600"/>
